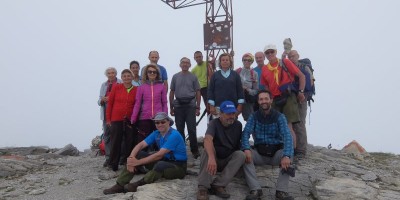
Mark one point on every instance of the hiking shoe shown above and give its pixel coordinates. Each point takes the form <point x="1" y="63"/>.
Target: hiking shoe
<point x="105" y="164"/>
<point x="114" y="189"/>
<point x="131" y="187"/>
<point x="220" y="191"/>
<point x="202" y="193"/>
<point x="196" y="154"/>
<point x="254" y="195"/>
<point x="279" y="195"/>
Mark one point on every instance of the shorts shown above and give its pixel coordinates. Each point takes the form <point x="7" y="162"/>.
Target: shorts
<point x="290" y="109"/>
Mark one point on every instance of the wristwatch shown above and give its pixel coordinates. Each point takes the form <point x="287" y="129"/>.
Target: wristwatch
<point x="301" y="91"/>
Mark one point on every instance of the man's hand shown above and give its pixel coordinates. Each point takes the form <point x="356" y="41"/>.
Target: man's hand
<point x="248" y="156"/>
<point x="212" y="166"/>
<point x="108" y="124"/>
<point x="301" y="97"/>
<point x="197" y="111"/>
<point x="285" y="162"/>
<point x="172" y="112"/>
<point x="132" y="161"/>
<point x="130" y="168"/>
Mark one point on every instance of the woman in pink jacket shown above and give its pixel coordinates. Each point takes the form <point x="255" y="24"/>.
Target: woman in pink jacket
<point x="151" y="98"/>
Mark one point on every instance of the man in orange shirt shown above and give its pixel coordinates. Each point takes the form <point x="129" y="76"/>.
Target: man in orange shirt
<point x="277" y="76"/>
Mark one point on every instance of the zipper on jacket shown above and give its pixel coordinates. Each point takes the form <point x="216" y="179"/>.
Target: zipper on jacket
<point x="152" y="101"/>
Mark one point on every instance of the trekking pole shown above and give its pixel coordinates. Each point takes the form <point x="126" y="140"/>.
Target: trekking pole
<point x="202" y="115"/>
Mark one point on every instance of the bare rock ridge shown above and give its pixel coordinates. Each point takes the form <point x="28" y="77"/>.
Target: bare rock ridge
<point x="47" y="174"/>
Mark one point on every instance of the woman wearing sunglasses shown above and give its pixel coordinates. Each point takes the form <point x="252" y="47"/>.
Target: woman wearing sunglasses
<point x="151" y="98"/>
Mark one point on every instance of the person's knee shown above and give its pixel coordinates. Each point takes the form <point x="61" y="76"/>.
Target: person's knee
<point x="239" y="155"/>
<point x="160" y="166"/>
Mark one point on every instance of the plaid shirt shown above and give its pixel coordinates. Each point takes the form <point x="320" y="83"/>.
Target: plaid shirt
<point x="268" y="132"/>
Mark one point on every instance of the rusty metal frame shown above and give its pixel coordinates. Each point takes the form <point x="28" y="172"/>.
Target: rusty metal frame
<point x="217" y="11"/>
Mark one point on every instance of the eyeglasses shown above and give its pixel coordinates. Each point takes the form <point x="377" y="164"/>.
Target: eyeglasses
<point x="246" y="60"/>
<point x="269" y="52"/>
<point x="151" y="72"/>
<point x="160" y="122"/>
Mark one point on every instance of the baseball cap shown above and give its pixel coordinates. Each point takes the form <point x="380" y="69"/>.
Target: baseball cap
<point x="227" y="107"/>
<point x="270" y="46"/>
<point x="161" y="116"/>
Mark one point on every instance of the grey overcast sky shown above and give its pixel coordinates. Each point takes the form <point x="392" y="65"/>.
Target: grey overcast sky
<point x="53" y="55"/>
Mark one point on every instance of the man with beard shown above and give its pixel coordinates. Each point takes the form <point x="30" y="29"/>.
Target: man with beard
<point x="221" y="153"/>
<point x="272" y="146"/>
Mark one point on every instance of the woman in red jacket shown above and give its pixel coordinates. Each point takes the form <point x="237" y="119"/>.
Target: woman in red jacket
<point x="119" y="110"/>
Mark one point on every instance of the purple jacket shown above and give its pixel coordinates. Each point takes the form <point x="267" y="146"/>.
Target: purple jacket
<point x="150" y="99"/>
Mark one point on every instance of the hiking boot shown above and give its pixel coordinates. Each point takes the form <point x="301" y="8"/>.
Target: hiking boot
<point x="298" y="156"/>
<point x="114" y="189"/>
<point x="220" y="191"/>
<point x="254" y="195"/>
<point x="202" y="193"/>
<point x="132" y="187"/>
<point x="105" y="164"/>
<point x="279" y="195"/>
<point x="196" y="154"/>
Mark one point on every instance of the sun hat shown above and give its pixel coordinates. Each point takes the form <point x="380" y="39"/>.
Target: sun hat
<point x="161" y="116"/>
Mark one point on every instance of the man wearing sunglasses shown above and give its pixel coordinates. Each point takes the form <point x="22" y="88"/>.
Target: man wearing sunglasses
<point x="278" y="77"/>
<point x="169" y="162"/>
<point x="221" y="153"/>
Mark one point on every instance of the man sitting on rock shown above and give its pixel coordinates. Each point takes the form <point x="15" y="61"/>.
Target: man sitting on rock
<point x="169" y="162"/>
<point x="273" y="146"/>
<point x="222" y="153"/>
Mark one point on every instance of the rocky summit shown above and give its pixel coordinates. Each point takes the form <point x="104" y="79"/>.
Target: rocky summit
<point x="47" y="174"/>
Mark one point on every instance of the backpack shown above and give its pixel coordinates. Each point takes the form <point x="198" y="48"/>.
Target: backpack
<point x="309" y="90"/>
<point x="251" y="73"/>
<point x="249" y="98"/>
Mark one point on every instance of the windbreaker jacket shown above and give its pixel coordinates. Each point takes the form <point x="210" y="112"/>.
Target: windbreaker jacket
<point x="120" y="103"/>
<point x="150" y="99"/>
<point x="103" y="92"/>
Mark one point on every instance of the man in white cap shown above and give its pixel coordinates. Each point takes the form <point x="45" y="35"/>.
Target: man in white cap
<point x="221" y="153"/>
<point x="169" y="162"/>
<point x="278" y="77"/>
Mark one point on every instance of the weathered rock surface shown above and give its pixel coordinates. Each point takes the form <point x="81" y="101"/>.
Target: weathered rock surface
<point x="323" y="174"/>
<point x="68" y="150"/>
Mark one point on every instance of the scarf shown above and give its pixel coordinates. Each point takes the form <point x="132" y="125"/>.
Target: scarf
<point x="275" y="70"/>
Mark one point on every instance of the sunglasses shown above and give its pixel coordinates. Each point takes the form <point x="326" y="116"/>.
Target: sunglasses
<point x="160" y="122"/>
<point x="269" y="52"/>
<point x="246" y="60"/>
<point x="151" y="72"/>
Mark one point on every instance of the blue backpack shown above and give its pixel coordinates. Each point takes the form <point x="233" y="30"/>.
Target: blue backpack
<point x="306" y="68"/>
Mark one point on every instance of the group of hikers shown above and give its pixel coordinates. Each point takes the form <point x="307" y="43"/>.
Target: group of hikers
<point x="272" y="98"/>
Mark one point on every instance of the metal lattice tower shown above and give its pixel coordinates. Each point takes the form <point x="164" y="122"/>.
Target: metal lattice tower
<point x="218" y="28"/>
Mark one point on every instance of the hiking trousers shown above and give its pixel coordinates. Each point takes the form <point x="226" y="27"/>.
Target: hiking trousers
<point x="300" y="130"/>
<point x="121" y="130"/>
<point x="250" y="170"/>
<point x="159" y="169"/>
<point x="186" y="114"/>
<point x="228" y="167"/>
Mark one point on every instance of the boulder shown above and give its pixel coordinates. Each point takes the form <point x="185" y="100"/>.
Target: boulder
<point x="68" y="150"/>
